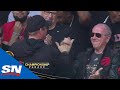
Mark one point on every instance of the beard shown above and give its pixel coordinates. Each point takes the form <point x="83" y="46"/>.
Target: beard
<point x="23" y="19"/>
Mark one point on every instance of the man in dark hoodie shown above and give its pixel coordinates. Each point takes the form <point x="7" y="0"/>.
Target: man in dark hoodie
<point x="38" y="56"/>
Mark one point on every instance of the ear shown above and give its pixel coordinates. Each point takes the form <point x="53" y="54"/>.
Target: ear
<point x="39" y="32"/>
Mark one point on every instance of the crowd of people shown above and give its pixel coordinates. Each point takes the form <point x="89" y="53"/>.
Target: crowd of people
<point x="76" y="44"/>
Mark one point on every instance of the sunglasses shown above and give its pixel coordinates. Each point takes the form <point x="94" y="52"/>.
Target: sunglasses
<point x="98" y="35"/>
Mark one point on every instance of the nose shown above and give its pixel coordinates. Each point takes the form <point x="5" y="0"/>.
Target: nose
<point x="94" y="37"/>
<point x="50" y="15"/>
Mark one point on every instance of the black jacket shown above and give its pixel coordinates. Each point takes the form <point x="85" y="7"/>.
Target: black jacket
<point x="36" y="51"/>
<point x="110" y="62"/>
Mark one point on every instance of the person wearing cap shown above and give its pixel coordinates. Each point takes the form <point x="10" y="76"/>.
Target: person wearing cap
<point x="33" y="50"/>
<point x="15" y="30"/>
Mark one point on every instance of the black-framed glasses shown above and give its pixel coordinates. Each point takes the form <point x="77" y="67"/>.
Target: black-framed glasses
<point x="98" y="35"/>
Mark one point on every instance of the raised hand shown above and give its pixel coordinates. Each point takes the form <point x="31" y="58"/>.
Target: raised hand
<point x="16" y="33"/>
<point x="18" y="27"/>
<point x="96" y="74"/>
<point x="65" y="45"/>
<point x="48" y="40"/>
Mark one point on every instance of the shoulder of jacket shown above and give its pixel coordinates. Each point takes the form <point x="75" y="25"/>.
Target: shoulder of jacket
<point x="115" y="57"/>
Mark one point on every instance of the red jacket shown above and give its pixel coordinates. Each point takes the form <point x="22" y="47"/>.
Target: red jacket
<point x="8" y="29"/>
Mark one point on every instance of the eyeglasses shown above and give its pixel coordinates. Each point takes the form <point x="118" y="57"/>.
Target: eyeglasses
<point x="98" y="35"/>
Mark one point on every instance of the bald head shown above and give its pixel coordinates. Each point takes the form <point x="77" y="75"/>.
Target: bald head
<point x="100" y="36"/>
<point x="104" y="27"/>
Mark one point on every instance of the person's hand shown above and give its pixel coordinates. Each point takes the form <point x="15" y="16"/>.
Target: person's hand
<point x="96" y="74"/>
<point x="66" y="41"/>
<point x="65" y="45"/>
<point x="16" y="33"/>
<point x="17" y="27"/>
<point x="48" y="40"/>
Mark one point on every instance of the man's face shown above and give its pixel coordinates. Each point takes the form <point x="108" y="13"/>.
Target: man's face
<point x="64" y="17"/>
<point x="50" y="16"/>
<point x="99" y="38"/>
<point x="43" y="32"/>
<point x="115" y="16"/>
<point x="20" y="15"/>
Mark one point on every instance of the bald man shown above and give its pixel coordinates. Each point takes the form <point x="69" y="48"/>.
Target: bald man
<point x="99" y="62"/>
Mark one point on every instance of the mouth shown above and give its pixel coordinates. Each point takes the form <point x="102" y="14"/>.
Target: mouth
<point x="20" y="16"/>
<point x="94" y="42"/>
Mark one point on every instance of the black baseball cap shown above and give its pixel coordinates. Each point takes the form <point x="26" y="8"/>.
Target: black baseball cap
<point x="35" y="23"/>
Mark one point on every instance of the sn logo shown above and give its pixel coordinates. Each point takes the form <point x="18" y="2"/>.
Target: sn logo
<point x="11" y="70"/>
